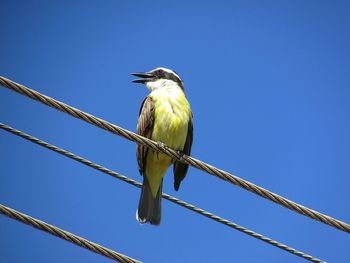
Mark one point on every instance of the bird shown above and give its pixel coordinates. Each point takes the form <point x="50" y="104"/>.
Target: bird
<point x="166" y="117"/>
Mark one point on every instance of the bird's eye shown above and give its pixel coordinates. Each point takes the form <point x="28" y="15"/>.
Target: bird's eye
<point x="158" y="73"/>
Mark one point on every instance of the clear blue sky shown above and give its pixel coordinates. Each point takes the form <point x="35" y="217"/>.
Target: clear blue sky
<point x="268" y="82"/>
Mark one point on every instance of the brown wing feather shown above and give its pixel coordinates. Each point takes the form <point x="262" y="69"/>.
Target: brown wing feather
<point x="144" y="128"/>
<point x="180" y="169"/>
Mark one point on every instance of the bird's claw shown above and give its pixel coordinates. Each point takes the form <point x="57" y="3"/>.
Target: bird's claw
<point x="180" y="155"/>
<point x="161" y="145"/>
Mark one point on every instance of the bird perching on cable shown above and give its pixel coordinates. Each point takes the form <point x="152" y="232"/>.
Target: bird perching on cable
<point x="165" y="117"/>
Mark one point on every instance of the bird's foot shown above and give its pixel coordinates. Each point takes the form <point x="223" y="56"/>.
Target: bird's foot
<point x="161" y="145"/>
<point x="180" y="155"/>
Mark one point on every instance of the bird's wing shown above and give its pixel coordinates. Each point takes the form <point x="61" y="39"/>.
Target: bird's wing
<point x="144" y="128"/>
<point x="180" y="169"/>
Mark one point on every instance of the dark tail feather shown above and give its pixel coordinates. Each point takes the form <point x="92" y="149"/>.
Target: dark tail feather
<point x="150" y="209"/>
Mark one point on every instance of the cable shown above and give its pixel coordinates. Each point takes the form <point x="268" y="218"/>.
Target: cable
<point x="55" y="231"/>
<point x="173" y="154"/>
<point x="166" y="196"/>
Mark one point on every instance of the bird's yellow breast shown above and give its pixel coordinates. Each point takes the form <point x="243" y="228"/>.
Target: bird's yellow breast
<point x="171" y="117"/>
<point x="172" y="113"/>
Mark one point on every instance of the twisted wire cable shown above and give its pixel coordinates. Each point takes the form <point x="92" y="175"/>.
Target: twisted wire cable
<point x="158" y="147"/>
<point x="164" y="195"/>
<point x="55" y="231"/>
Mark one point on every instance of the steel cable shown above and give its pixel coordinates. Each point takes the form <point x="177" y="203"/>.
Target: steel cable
<point x="166" y="196"/>
<point x="55" y="231"/>
<point x="175" y="155"/>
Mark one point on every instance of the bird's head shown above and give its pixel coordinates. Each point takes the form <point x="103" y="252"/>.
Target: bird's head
<point x="158" y="77"/>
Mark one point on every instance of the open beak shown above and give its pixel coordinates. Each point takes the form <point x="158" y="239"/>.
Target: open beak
<point x="144" y="77"/>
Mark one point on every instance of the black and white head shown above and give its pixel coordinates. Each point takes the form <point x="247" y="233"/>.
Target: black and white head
<point x="159" y="77"/>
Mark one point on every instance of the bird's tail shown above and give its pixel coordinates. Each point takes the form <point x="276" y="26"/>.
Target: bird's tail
<point x="150" y="208"/>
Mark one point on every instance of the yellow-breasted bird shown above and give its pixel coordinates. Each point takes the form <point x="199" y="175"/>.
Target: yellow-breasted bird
<point x="165" y="117"/>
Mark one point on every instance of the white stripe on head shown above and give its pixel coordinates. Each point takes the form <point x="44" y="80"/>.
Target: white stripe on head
<point x="164" y="73"/>
<point x="169" y="71"/>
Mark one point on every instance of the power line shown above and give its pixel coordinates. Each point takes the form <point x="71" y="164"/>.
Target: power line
<point x="166" y="196"/>
<point x="176" y="156"/>
<point x="55" y="231"/>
